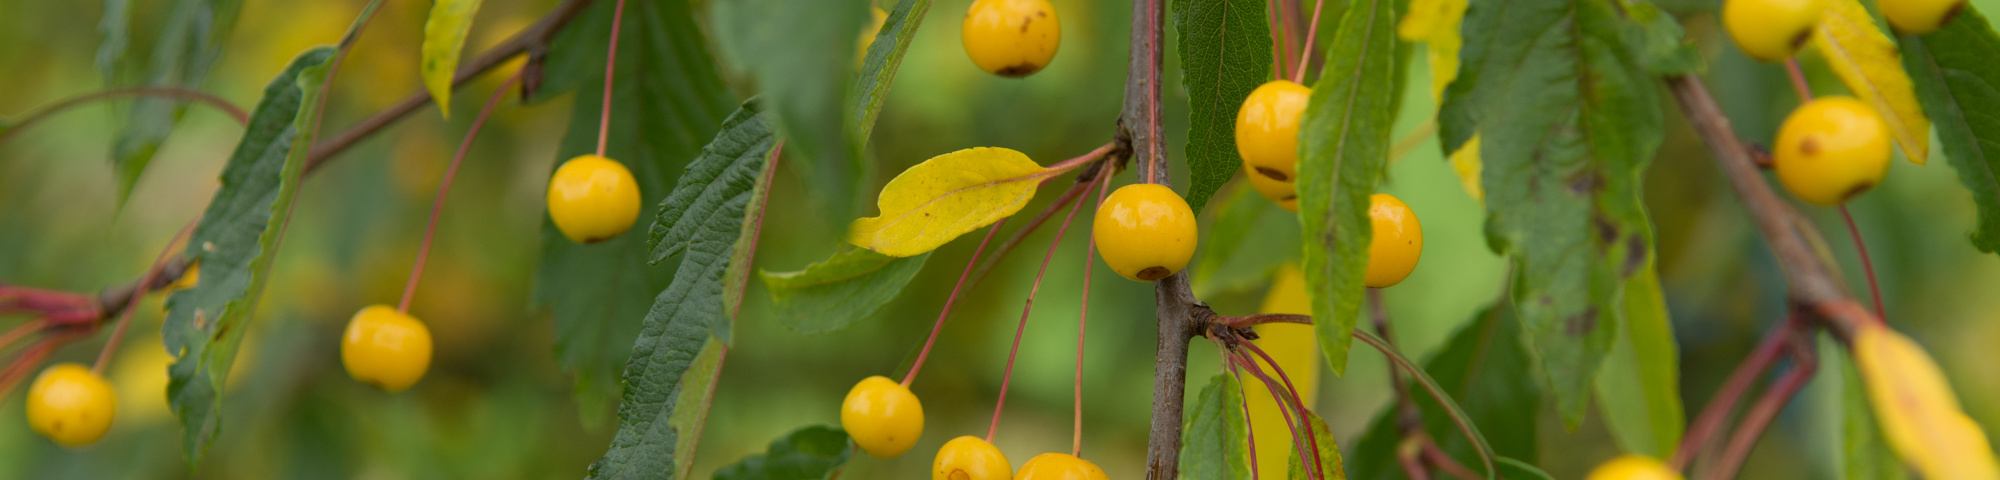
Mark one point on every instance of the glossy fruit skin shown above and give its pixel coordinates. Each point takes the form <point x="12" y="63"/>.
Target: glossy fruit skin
<point x="884" y="418"/>
<point x="1059" y="466"/>
<point x="1832" y="149"/>
<point x="1771" y="30"/>
<point x="1398" y="241"/>
<point x="70" y="405"/>
<point x="593" y="199"/>
<point x="970" y="458"/>
<point x="1011" y="38"/>
<point x="1267" y="136"/>
<point x="385" y="348"/>
<point x="1633" y="467"/>
<point x="1145" y="232"/>
<point x="1918" y="17"/>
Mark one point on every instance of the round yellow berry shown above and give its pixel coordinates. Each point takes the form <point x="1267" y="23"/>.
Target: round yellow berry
<point x="1771" y="30"/>
<point x="1267" y="136"/>
<point x="1145" y="232"/>
<point x="592" y="199"/>
<point x="1918" y="17"/>
<point x="1831" y="150"/>
<point x="884" y="418"/>
<point x="1398" y="241"/>
<point x="1059" y="466"/>
<point x="385" y="348"/>
<point x="1633" y="467"/>
<point x="70" y="405"/>
<point x="970" y="458"/>
<point x="1011" y="38"/>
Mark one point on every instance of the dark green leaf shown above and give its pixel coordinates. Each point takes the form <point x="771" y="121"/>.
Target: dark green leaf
<point x="236" y="241"/>
<point x="1214" y="445"/>
<point x="1344" y="143"/>
<point x="116" y="28"/>
<point x="1248" y="238"/>
<point x="1489" y="372"/>
<point x="1570" y="116"/>
<point x="1512" y="469"/>
<point x="1640" y="384"/>
<point x="811" y="453"/>
<point x="1329" y="453"/>
<point x="1663" y="47"/>
<point x="666" y="102"/>
<point x="885" y="56"/>
<point x="190" y="40"/>
<point x="802" y="56"/>
<point x="832" y="294"/>
<point x="1225" y="53"/>
<point x="1956" y="71"/>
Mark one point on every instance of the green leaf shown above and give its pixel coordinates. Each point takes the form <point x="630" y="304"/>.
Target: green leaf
<point x="845" y="288"/>
<point x="1640" y="384"/>
<point x="801" y="56"/>
<point x="727" y="170"/>
<point x="1214" y="445"/>
<point x="1485" y="367"/>
<point x="1344" y="145"/>
<point x="1225" y="53"/>
<point x="667" y="101"/>
<point x="1663" y="46"/>
<point x="1956" y="71"/>
<point x="236" y="241"/>
<point x="444" y="38"/>
<point x="810" y="453"/>
<point x="884" y="58"/>
<point x="1512" y="469"/>
<point x="1864" y="452"/>
<point x="116" y="28"/>
<point x="191" y="36"/>
<point x="1248" y="238"/>
<point x="1329" y="453"/>
<point x="1569" y="118"/>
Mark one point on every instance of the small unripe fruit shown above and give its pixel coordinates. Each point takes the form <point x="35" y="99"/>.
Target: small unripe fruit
<point x="1633" y="467"/>
<point x="70" y="405"/>
<point x="1011" y="38"/>
<point x="882" y="416"/>
<point x="1145" y="232"/>
<point x="1267" y="136"/>
<point x="1771" y="30"/>
<point x="1059" y="466"/>
<point x="385" y="348"/>
<point x="1832" y="149"/>
<point x="1397" y="243"/>
<point x="1918" y="17"/>
<point x="592" y="199"/>
<point x="970" y="458"/>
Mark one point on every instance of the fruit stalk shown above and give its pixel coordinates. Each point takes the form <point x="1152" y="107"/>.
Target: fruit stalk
<point x="1760" y="414"/>
<point x="444" y="188"/>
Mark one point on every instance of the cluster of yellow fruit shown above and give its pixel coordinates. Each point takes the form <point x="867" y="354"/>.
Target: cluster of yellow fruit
<point x="885" y="420"/>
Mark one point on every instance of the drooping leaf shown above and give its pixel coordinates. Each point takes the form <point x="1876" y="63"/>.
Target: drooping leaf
<point x="1213" y="441"/>
<point x="1917" y="411"/>
<point x="1864" y="454"/>
<point x="1247" y="239"/>
<point x="1569" y="112"/>
<point x="944" y="197"/>
<point x="1867" y="62"/>
<point x="1225" y="50"/>
<point x="738" y="151"/>
<point x="811" y="453"/>
<point x="1344" y="144"/>
<point x="1329" y="453"/>
<point x="1296" y="350"/>
<point x="802" y="58"/>
<point x="190" y="40"/>
<point x="1486" y="368"/>
<point x="832" y="294"/>
<point x="1956" y="71"/>
<point x="444" y="38"/>
<point x="884" y="58"/>
<point x="666" y="102"/>
<point x="236" y="242"/>
<point x="1640" y="384"/>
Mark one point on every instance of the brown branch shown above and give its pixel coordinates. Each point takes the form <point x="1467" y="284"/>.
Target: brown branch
<point x="1139" y="128"/>
<point x="197" y="96"/>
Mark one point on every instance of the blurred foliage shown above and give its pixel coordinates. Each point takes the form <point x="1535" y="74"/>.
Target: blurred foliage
<point x="495" y="404"/>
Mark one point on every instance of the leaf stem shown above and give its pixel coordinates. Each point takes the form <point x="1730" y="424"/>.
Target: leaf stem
<point x="197" y="96"/>
<point x="444" y="187"/>
<point x="125" y="318"/>
<point x="1717" y="411"/>
<point x="1867" y="266"/>
<point x="1299" y="438"/>
<point x="610" y="67"/>
<point x="1451" y="408"/>
<point x="1082" y="323"/>
<point x="1305" y="55"/>
<point x="1008" y="376"/>
<point x="1298" y="406"/>
<point x="1799" y="84"/>
<point x="1766" y="409"/>
<point x="948" y="302"/>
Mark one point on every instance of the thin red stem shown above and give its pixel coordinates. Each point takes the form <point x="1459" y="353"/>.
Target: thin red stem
<point x="1717" y="411"/>
<point x="1436" y="456"/>
<point x="1298" y="405"/>
<point x="1300" y="433"/>
<point x="1082" y="325"/>
<point x="1760" y="415"/>
<point x="444" y="187"/>
<point x="1291" y="21"/>
<point x="1249" y="429"/>
<point x="1305" y="55"/>
<point x="20" y="331"/>
<point x="948" y="301"/>
<point x="196" y="96"/>
<point x="757" y="228"/>
<point x="125" y="318"/>
<point x="1867" y="266"/>
<point x="610" y="67"/>
<point x="1799" y="84"/>
<point x="1008" y="376"/>
<point x="1413" y="465"/>
<point x="1278" y="60"/>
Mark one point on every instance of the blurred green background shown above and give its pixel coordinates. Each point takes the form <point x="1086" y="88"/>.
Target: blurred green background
<point x="494" y="405"/>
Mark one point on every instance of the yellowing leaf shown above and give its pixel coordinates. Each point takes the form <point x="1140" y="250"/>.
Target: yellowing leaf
<point x="1465" y="161"/>
<point x="444" y="37"/>
<point x="1868" y="63"/>
<point x="1917" y="410"/>
<point x="946" y="196"/>
<point x="1436" y="22"/>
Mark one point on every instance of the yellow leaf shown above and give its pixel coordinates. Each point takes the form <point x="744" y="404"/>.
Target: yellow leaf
<point x="1917" y="410"/>
<point x="1466" y="162"/>
<point x="444" y="37"/>
<point x="1296" y="348"/>
<point x="946" y="196"/>
<point x="1436" y="22"/>
<point x="1868" y="63"/>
